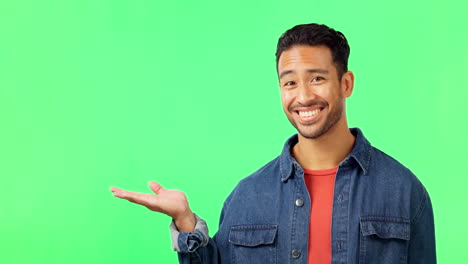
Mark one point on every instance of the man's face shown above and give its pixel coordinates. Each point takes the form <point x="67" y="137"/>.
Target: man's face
<point x="312" y="95"/>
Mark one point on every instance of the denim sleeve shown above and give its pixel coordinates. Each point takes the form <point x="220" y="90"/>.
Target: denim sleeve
<point x="196" y="247"/>
<point x="422" y="248"/>
<point x="189" y="242"/>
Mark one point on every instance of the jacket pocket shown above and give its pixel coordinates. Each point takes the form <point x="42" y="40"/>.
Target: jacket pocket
<point x="253" y="243"/>
<point x="384" y="240"/>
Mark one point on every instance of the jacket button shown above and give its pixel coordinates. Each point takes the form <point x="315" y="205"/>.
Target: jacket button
<point x="296" y="253"/>
<point x="299" y="202"/>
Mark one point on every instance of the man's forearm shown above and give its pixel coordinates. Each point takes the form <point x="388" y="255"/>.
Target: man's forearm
<point x="186" y="223"/>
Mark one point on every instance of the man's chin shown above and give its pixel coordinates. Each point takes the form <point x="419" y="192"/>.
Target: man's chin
<point x="310" y="134"/>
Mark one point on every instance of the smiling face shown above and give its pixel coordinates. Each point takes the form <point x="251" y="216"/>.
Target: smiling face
<point x="313" y="97"/>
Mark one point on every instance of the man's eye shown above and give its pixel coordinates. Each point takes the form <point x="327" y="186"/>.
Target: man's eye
<point x="318" y="79"/>
<point x="289" y="83"/>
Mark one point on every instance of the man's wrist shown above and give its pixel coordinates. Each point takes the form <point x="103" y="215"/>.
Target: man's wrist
<point x="186" y="223"/>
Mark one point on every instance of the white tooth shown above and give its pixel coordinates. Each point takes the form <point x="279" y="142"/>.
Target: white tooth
<point x="309" y="113"/>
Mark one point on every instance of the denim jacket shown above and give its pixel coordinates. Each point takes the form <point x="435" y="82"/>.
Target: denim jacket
<point x="381" y="214"/>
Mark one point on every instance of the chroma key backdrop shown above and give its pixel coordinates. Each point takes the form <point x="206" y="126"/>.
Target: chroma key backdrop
<point x="101" y="93"/>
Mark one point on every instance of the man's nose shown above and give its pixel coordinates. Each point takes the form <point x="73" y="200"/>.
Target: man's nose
<point x="305" y="92"/>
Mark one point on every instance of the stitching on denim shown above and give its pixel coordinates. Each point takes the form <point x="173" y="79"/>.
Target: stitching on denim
<point x="270" y="234"/>
<point x="404" y="234"/>
<point x="421" y="207"/>
<point x="403" y="258"/>
<point x="233" y="257"/>
<point x="253" y="227"/>
<point x="384" y="219"/>
<point x="362" y="249"/>
<point x="293" y="225"/>
<point x="369" y="155"/>
<point x="281" y="169"/>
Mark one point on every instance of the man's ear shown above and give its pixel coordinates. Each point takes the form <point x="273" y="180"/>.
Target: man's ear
<point x="347" y="83"/>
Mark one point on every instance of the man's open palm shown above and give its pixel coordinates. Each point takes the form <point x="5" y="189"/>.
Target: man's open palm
<point x="170" y="202"/>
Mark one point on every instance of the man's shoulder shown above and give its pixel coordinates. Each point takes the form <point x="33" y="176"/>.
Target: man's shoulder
<point x="268" y="172"/>
<point x="257" y="181"/>
<point x="393" y="182"/>
<point x="388" y="170"/>
<point x="384" y="162"/>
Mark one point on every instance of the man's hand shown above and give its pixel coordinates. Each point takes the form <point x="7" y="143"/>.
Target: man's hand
<point x="170" y="202"/>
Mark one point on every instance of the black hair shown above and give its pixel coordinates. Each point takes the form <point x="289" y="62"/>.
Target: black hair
<point x="315" y="35"/>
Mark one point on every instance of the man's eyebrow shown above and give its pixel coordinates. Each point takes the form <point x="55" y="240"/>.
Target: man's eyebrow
<point x="323" y="71"/>
<point x="285" y="73"/>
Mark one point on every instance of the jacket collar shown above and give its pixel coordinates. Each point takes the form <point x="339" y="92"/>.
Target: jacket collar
<point x="361" y="153"/>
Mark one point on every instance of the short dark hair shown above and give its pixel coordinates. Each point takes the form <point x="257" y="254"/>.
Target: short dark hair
<point x="315" y="35"/>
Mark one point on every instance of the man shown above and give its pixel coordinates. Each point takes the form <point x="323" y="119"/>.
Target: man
<point x="329" y="197"/>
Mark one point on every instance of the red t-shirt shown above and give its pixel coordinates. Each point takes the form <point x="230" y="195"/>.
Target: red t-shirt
<point x="320" y="184"/>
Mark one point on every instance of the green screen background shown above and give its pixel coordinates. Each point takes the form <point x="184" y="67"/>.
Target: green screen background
<point x="95" y="94"/>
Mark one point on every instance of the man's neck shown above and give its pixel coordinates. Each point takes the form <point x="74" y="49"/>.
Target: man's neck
<point x="325" y="152"/>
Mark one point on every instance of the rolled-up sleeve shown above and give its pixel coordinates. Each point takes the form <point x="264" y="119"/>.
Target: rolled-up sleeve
<point x="188" y="242"/>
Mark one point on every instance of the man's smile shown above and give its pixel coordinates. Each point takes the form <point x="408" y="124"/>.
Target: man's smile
<point x="309" y="114"/>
